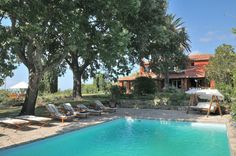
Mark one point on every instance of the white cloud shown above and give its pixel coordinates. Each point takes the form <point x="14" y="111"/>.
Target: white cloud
<point x="213" y="36"/>
<point x="205" y="39"/>
<point x="196" y="52"/>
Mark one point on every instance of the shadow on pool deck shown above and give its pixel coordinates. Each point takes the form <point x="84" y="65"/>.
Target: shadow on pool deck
<point x="2" y="135"/>
<point x="25" y="128"/>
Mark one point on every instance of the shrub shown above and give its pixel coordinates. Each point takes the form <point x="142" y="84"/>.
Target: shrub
<point x="227" y="91"/>
<point x="89" y="89"/>
<point x="144" y="85"/>
<point x="4" y="96"/>
<point x="233" y="110"/>
<point x="172" y="96"/>
<point x="117" y="92"/>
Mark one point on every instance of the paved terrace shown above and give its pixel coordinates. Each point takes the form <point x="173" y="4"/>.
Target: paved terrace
<point x="10" y="137"/>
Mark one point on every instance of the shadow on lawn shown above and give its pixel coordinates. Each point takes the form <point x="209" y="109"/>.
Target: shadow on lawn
<point x="1" y="135"/>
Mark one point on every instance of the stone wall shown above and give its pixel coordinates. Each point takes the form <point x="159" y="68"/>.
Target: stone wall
<point x="152" y="104"/>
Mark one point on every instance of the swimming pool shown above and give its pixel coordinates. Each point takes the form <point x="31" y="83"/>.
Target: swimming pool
<point x="128" y="137"/>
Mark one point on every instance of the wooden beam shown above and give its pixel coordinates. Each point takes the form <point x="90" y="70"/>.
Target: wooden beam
<point x="218" y="105"/>
<point x="209" y="109"/>
<point x="190" y="102"/>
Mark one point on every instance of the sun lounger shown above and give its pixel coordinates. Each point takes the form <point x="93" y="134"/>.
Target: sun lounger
<point x="57" y="115"/>
<point x="70" y="109"/>
<point x="35" y="119"/>
<point x="104" y="108"/>
<point x="204" y="106"/>
<point x="14" y="122"/>
<point x="91" y="111"/>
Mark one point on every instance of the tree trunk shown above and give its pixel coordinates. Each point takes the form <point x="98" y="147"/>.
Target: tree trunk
<point x="53" y="84"/>
<point x="77" y="71"/>
<point x="31" y="94"/>
<point x="166" y="80"/>
<point x="77" y="84"/>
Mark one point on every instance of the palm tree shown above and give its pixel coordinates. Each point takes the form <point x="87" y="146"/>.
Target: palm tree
<point x="176" y="25"/>
<point x="171" y="52"/>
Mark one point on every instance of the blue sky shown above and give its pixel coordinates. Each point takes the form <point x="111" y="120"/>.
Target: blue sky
<point x="209" y="24"/>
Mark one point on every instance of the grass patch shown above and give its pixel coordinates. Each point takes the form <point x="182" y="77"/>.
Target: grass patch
<point x="9" y="111"/>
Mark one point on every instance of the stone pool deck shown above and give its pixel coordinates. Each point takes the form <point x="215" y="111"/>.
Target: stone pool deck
<point x="11" y="137"/>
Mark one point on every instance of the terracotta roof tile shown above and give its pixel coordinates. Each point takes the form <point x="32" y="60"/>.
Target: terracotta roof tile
<point x="198" y="57"/>
<point x="197" y="71"/>
<point x="127" y="78"/>
<point x="194" y="72"/>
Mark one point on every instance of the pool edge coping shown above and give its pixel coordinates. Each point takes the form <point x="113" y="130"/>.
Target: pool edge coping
<point x="231" y="138"/>
<point x="60" y="133"/>
<point x="229" y="130"/>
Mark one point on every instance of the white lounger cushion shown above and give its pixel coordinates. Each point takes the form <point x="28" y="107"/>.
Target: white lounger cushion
<point x="53" y="110"/>
<point x="104" y="108"/>
<point x="99" y="103"/>
<point x="204" y="105"/>
<point x="12" y="121"/>
<point x="93" y="111"/>
<point x="81" y="106"/>
<point x="33" y="118"/>
<point x="69" y="108"/>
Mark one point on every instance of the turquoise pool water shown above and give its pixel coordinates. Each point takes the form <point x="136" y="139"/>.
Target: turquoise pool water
<point x="128" y="137"/>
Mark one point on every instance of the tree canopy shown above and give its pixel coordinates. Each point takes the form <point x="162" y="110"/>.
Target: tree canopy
<point x="100" y="40"/>
<point x="167" y="52"/>
<point x="222" y="66"/>
<point x="7" y="59"/>
<point x="89" y="35"/>
<point x="136" y="30"/>
<point x="222" y="69"/>
<point x="36" y="36"/>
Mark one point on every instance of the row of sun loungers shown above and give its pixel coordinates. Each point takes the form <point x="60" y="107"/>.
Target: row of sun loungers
<point x="83" y="112"/>
<point x="22" y="121"/>
<point x="55" y="114"/>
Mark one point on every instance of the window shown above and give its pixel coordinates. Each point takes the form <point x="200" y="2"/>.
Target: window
<point x="176" y="83"/>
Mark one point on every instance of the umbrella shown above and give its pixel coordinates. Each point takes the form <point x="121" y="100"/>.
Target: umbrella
<point x="20" y="85"/>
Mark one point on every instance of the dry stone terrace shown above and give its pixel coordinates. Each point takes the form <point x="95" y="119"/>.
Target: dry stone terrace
<point x="9" y="137"/>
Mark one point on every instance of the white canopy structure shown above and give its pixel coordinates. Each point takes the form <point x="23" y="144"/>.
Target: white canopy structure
<point x="205" y="93"/>
<point x="20" y="85"/>
<point x="209" y="94"/>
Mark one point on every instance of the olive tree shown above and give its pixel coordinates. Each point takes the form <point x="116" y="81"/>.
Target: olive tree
<point x="37" y="37"/>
